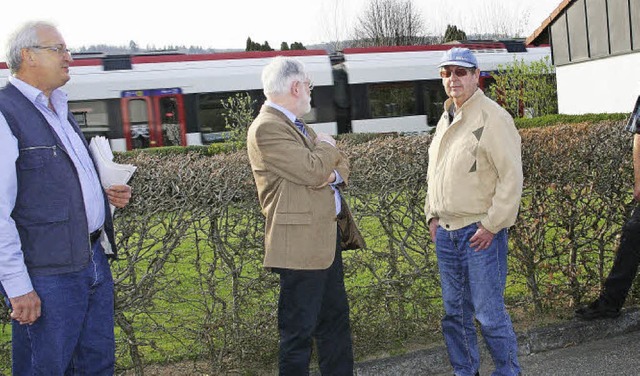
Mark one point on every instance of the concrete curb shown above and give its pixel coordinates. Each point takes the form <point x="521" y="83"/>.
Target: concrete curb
<point x="570" y="333"/>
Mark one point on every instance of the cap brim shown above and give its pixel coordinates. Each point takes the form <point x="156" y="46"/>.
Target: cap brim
<point x="458" y="63"/>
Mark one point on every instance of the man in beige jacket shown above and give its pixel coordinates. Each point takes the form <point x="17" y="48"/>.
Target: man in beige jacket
<point x="297" y="173"/>
<point x="474" y="187"/>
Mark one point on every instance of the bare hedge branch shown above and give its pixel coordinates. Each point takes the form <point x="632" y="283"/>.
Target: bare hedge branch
<point x="190" y="284"/>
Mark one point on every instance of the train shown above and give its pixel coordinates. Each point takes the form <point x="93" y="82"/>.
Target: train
<point x="168" y="99"/>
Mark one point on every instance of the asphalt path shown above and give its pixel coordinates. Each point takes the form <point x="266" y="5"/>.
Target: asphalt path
<point x="619" y="355"/>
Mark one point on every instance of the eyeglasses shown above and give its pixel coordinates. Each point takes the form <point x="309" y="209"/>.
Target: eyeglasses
<point x="59" y="49"/>
<point x="459" y="72"/>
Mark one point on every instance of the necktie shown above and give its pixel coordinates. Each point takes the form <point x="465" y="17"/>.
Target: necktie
<point x="301" y="127"/>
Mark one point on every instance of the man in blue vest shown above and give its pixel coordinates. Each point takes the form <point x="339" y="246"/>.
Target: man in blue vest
<point x="56" y="230"/>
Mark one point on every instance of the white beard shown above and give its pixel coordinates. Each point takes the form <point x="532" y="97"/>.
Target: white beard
<point x="305" y="105"/>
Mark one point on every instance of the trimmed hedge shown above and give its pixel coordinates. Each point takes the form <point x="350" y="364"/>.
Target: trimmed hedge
<point x="549" y="120"/>
<point x="190" y="284"/>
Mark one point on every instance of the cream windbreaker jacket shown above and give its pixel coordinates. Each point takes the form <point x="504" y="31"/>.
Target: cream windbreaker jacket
<point x="475" y="167"/>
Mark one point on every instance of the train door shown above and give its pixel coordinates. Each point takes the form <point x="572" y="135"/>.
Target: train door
<point x="153" y="118"/>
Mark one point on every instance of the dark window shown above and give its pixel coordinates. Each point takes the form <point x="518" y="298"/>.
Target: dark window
<point x="81" y="118"/>
<point x="598" y="32"/>
<point x="620" y="37"/>
<point x="322" y="110"/>
<point x="392" y="99"/>
<point x="170" y="120"/>
<point x="514" y="46"/>
<point x="560" y="43"/>
<point x="117" y="62"/>
<point x="91" y="116"/>
<point x="359" y="102"/>
<point x="434" y="97"/>
<point x="578" y="31"/>
<point x="211" y="112"/>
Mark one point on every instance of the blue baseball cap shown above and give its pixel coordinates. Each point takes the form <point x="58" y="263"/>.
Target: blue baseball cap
<point x="462" y="57"/>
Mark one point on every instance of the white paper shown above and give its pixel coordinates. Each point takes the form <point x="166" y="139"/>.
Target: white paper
<point x="111" y="173"/>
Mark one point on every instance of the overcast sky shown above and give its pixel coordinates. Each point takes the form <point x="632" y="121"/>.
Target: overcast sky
<point x="227" y="24"/>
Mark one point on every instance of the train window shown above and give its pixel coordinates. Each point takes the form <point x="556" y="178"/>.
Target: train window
<point x="139" y="124"/>
<point x="211" y="115"/>
<point x="434" y="97"/>
<point x="81" y="118"/>
<point x="91" y="116"/>
<point x="138" y="111"/>
<point x="169" y="115"/>
<point x="392" y="99"/>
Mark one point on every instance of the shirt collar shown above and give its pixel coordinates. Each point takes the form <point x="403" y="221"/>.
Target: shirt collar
<point x="287" y="113"/>
<point x="36" y="95"/>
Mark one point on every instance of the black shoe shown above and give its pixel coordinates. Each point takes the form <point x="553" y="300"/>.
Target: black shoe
<point x="597" y="310"/>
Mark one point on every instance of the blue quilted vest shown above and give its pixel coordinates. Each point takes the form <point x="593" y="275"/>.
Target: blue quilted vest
<point x="49" y="211"/>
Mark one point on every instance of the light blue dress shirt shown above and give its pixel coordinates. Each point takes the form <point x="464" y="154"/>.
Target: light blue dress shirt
<point x="13" y="272"/>
<point x="336" y="193"/>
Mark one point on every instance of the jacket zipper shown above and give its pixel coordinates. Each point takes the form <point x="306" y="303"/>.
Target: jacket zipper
<point x="53" y="148"/>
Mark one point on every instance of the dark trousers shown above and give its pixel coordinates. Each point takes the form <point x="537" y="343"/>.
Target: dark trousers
<point x="625" y="265"/>
<point x="313" y="305"/>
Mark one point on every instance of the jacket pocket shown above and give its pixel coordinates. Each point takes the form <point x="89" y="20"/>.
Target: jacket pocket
<point x="34" y="157"/>
<point x="45" y="235"/>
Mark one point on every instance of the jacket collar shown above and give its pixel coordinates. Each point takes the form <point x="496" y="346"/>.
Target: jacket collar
<point x="477" y="94"/>
<point x="273" y="111"/>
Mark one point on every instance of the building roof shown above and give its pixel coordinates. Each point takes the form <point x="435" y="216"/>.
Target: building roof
<point x="541" y="34"/>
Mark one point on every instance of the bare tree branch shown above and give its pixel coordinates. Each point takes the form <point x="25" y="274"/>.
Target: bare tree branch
<point x="389" y="23"/>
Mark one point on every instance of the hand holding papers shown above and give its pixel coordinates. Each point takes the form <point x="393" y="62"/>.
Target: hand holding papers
<point x="111" y="173"/>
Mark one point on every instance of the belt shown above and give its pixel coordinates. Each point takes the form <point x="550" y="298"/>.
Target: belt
<point x="94" y="236"/>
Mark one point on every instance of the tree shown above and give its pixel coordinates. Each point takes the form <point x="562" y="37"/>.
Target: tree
<point x="238" y="115"/>
<point x="334" y="23"/>
<point x="488" y="19"/>
<point x="526" y="89"/>
<point x="493" y="19"/>
<point x="453" y="34"/>
<point x="298" y="46"/>
<point x="255" y="46"/>
<point x="389" y="23"/>
<point x="284" y="46"/>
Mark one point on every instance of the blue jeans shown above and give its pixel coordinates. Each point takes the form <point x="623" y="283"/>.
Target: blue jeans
<point x="74" y="335"/>
<point x="473" y="285"/>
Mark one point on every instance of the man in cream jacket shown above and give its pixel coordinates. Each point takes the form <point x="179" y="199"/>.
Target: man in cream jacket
<point x="474" y="188"/>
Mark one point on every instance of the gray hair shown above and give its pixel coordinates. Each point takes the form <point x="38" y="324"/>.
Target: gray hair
<point x="278" y="75"/>
<point x="25" y="36"/>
